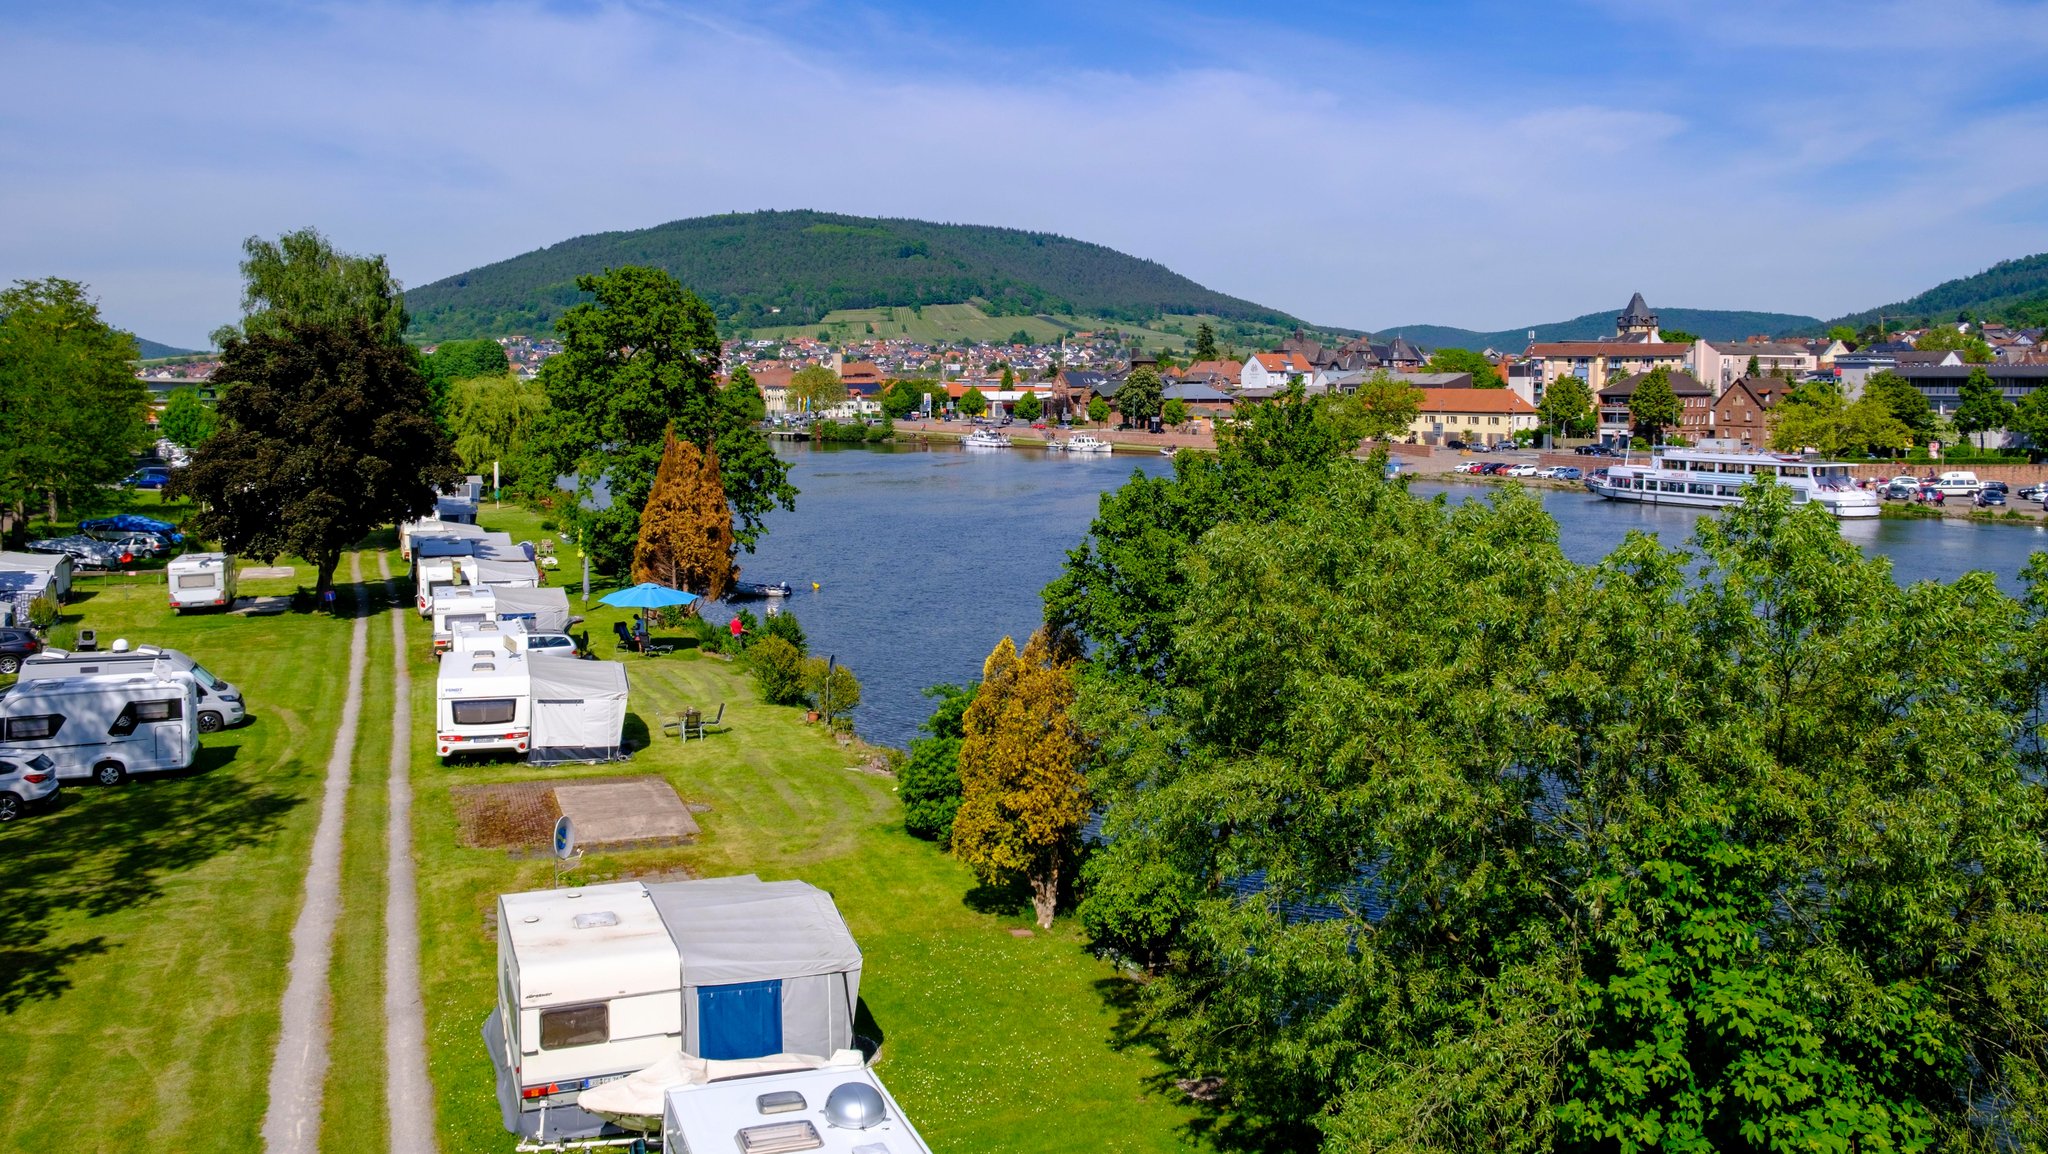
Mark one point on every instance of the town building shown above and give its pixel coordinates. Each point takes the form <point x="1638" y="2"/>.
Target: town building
<point x="1717" y="364"/>
<point x="1268" y="373"/>
<point x="1474" y="416"/>
<point x="1741" y="414"/>
<point x="1695" y="406"/>
<point x="1636" y="347"/>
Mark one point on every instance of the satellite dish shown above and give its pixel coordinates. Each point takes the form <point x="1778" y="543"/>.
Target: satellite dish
<point x="565" y="837"/>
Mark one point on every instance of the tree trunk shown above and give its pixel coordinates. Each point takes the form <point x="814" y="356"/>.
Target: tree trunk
<point x="1045" y="894"/>
<point x="326" y="566"/>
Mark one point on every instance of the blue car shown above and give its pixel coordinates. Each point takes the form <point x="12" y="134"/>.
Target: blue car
<point x="133" y="523"/>
<point x="151" y="477"/>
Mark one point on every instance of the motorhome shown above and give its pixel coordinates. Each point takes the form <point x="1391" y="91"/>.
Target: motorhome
<point x="220" y="701"/>
<point x="105" y="726"/>
<point x="482" y="704"/>
<point x="599" y="982"/>
<point x="201" y="581"/>
<point x="463" y="605"/>
<point x="1959" y="483"/>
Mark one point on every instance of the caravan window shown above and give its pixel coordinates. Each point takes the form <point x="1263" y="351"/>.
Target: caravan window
<point x="197" y="581"/>
<point x="33" y="728"/>
<point x="486" y="711"/>
<point x="140" y="711"/>
<point x="575" y="1026"/>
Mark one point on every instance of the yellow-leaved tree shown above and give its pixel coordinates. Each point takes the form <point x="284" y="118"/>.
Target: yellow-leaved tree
<point x="686" y="537"/>
<point x="1022" y="796"/>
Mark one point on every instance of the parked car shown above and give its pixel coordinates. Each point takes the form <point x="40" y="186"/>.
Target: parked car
<point x="16" y="646"/>
<point x="1591" y="450"/>
<point x="1998" y="485"/>
<point x="552" y="645"/>
<point x="1523" y="470"/>
<point x="1902" y="488"/>
<point x="1469" y="467"/>
<point x="1492" y="468"/>
<point x="1454" y="443"/>
<point x="149" y="477"/>
<point x="84" y="551"/>
<point x="2034" y="493"/>
<point x="134" y="544"/>
<point x="1567" y="473"/>
<point x="133" y="523"/>
<point x="1989" y="496"/>
<point x="24" y="782"/>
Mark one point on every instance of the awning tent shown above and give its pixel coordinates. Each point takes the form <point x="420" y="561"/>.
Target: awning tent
<point x="503" y="573"/>
<point x="579" y="710"/>
<point x="544" y="610"/>
<point x="767" y="967"/>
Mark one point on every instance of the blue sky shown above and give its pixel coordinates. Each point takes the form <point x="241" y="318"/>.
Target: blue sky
<point x="1485" y="164"/>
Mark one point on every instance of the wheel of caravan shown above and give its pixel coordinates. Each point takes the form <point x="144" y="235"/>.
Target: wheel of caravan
<point x="209" y="721"/>
<point x="110" y="773"/>
<point x="9" y="663"/>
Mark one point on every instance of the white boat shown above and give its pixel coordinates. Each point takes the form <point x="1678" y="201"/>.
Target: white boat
<point x="1084" y="443"/>
<point x="986" y="439"/>
<point x="1702" y="479"/>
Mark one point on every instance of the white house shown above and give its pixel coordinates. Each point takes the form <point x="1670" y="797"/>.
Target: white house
<point x="1273" y="370"/>
<point x="1719" y="365"/>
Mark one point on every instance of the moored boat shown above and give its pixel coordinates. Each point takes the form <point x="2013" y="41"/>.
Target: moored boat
<point x="986" y="439"/>
<point x="760" y="589"/>
<point x="1704" y="479"/>
<point x="1085" y="443"/>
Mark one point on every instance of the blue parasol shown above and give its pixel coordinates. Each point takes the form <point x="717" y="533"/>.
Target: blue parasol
<point x="648" y="595"/>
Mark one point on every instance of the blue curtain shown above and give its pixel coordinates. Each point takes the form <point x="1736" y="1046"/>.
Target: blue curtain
<point x="739" y="1021"/>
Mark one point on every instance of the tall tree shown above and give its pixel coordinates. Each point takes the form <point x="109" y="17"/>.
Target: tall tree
<point x="644" y="354"/>
<point x="186" y="420"/>
<point x="1484" y="375"/>
<point x="325" y="436"/>
<point x="686" y="539"/>
<point x="302" y="279"/>
<point x="900" y="400"/>
<point x="1029" y="407"/>
<point x="453" y="361"/>
<point x="1022" y="796"/>
<point x="973" y="402"/>
<point x="1139" y="399"/>
<point x="1205" y="342"/>
<point x="815" y="387"/>
<point x="1567" y="407"/>
<point x="1174" y="413"/>
<point x="930" y="781"/>
<point x="1653" y="406"/>
<point x="491" y="419"/>
<point x="1817" y="416"/>
<point x="1980" y="406"/>
<point x="1382" y="407"/>
<point x="1905" y="403"/>
<point x="72" y="414"/>
<point x="2030" y="420"/>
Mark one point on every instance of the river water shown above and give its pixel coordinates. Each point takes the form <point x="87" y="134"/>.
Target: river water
<point x="926" y="556"/>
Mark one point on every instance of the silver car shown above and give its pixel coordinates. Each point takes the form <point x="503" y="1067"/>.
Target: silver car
<point x="24" y="781"/>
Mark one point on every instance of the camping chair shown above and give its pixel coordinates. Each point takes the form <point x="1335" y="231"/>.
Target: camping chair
<point x="696" y="728"/>
<point x="625" y="636"/>
<point x="674" y="725"/>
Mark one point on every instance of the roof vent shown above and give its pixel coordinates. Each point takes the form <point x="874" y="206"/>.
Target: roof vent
<point x="595" y="920"/>
<point x="120" y="645"/>
<point x="780" y="1102"/>
<point x="779" y="1138"/>
<point x="854" y="1106"/>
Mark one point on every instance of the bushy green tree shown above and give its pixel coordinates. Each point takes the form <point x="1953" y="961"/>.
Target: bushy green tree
<point x="1029" y="408"/>
<point x="186" y="420"/>
<point x="929" y="785"/>
<point x="777" y="668"/>
<point x="816" y="387"/>
<point x="786" y="626"/>
<point x="1654" y="406"/>
<point x="1944" y="338"/>
<point x="1567" y="407"/>
<point x="1731" y="847"/>
<point x="830" y="687"/>
<point x="1174" y="413"/>
<point x="1382" y="407"/>
<point x="973" y="402"/>
<point x="72" y="414"/>
<point x="1980" y="406"/>
<point x="644" y="354"/>
<point x="1139" y="399"/>
<point x="301" y="279"/>
<point x="900" y="400"/>
<point x="491" y="419"/>
<point x="1205" y="342"/>
<point x="1484" y="375"/>
<point x="453" y="361"/>
<point x="1098" y="410"/>
<point x="1905" y="403"/>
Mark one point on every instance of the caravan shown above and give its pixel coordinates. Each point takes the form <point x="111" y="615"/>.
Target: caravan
<point x="201" y="581"/>
<point x="441" y="564"/>
<point x="482" y="703"/>
<point x="220" y="702"/>
<point x="598" y="982"/>
<point x="466" y="605"/>
<point x="104" y="727"/>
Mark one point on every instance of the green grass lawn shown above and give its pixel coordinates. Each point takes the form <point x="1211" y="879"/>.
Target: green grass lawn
<point x="144" y="929"/>
<point x="992" y="1042"/>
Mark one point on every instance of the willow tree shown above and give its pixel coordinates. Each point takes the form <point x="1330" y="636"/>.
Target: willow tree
<point x="1022" y="796"/>
<point x="686" y="539"/>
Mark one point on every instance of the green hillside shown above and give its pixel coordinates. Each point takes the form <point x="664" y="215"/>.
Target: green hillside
<point x="969" y="323"/>
<point x="793" y="268"/>
<point x="1713" y="324"/>
<point x="151" y="350"/>
<point x="2010" y="289"/>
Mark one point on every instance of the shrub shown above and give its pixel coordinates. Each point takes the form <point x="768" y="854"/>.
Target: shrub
<point x="834" y="693"/>
<point x="881" y="430"/>
<point x="929" y="782"/>
<point x="785" y="626"/>
<point x="44" y="612"/>
<point x="778" y="669"/>
<point x="547" y="525"/>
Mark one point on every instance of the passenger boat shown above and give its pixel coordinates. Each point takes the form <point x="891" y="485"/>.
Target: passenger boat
<point x="986" y="439"/>
<point x="1084" y="443"/>
<point x="1704" y="479"/>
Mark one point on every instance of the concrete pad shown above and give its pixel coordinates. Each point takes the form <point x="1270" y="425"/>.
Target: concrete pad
<point x="644" y="809"/>
<point x="249" y="572"/>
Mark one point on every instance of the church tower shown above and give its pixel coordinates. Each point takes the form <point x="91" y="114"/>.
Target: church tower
<point x="1637" y="322"/>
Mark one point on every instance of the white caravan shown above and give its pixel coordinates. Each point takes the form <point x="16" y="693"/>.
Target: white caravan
<point x="220" y="701"/>
<point x="201" y="581"/>
<point x="487" y="637"/>
<point x="103" y="727"/>
<point x="434" y="572"/>
<point x="57" y="565"/>
<point x="599" y="982"/>
<point x="482" y="704"/>
<point x="835" y="1108"/>
<point x="463" y="605"/>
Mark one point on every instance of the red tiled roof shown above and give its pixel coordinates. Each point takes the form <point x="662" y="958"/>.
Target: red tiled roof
<point x="1607" y="349"/>
<point x="1474" y="401"/>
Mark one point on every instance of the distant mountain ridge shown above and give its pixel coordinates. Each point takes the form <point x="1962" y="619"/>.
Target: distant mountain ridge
<point x="792" y="268"/>
<point x="151" y="350"/>
<point x="1982" y="295"/>
<point x="1713" y="324"/>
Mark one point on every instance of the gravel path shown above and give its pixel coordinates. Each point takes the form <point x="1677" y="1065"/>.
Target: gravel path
<point x="408" y="1095"/>
<point x="298" y="1072"/>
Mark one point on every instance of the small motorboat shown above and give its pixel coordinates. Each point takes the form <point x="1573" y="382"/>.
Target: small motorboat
<point x="1084" y="443"/>
<point x="986" y="439"/>
<point x="757" y="589"/>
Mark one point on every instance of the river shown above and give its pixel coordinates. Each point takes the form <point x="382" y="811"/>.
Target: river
<point x="925" y="556"/>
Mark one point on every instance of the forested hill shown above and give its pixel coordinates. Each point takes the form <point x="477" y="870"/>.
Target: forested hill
<point x="1713" y="324"/>
<point x="151" y="350"/>
<point x="785" y="268"/>
<point x="1989" y="295"/>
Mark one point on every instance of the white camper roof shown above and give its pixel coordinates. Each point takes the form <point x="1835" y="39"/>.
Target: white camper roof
<point x="480" y="674"/>
<point x="34" y="562"/>
<point x="198" y="561"/>
<point x="712" y="1115"/>
<point x="456" y="596"/>
<point x="569" y="950"/>
<point x="746" y="930"/>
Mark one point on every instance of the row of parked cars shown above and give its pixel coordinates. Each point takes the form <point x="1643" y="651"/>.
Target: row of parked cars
<point x="110" y="542"/>
<point x="1507" y="469"/>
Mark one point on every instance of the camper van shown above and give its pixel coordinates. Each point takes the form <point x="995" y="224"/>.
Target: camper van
<point x="482" y="703"/>
<point x="599" y="982"/>
<point x="220" y="702"/>
<point x="1959" y="483"/>
<point x="201" y="581"/>
<point x="104" y="727"/>
<point x="464" y="605"/>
